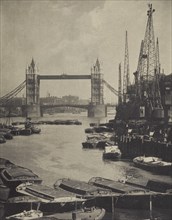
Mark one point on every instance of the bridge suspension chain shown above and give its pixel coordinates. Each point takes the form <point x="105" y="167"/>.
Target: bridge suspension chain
<point x="111" y="88"/>
<point x="9" y="96"/>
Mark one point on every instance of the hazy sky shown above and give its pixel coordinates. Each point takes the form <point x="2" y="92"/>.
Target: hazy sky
<point x="68" y="36"/>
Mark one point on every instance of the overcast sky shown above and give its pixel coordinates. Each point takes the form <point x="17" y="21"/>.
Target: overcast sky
<point x="68" y="36"/>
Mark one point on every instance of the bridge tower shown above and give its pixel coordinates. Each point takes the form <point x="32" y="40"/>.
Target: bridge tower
<point x="96" y="84"/>
<point x="97" y="107"/>
<point x="32" y="91"/>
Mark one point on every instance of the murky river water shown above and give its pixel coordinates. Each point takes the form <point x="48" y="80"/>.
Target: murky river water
<point x="57" y="153"/>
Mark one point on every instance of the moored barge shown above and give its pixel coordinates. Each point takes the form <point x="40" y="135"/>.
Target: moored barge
<point x="133" y="196"/>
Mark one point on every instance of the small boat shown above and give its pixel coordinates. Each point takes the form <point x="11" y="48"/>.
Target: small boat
<point x="153" y="164"/>
<point x="111" y="153"/>
<point x="15" y="130"/>
<point x="7" y="135"/>
<point x="25" y="131"/>
<point x="100" y="136"/>
<point x="101" y="129"/>
<point x="91" y="144"/>
<point x="77" y="122"/>
<point x="85" y="213"/>
<point x="95" y="143"/>
<point x="35" y="130"/>
<point x="89" y="130"/>
<point x="15" y="175"/>
<point x="23" y="202"/>
<point x="93" y="124"/>
<point x="26" y="215"/>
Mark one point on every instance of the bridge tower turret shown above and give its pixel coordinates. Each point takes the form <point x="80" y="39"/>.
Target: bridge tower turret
<point x="97" y="107"/>
<point x="32" y="91"/>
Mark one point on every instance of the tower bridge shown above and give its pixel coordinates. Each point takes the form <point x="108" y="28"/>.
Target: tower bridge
<point x="96" y="108"/>
<point x="33" y="107"/>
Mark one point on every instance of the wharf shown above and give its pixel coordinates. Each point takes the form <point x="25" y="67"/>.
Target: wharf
<point x="134" y="147"/>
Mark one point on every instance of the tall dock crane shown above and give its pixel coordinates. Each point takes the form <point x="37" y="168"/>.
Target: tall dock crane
<point x="148" y="70"/>
<point x="126" y="77"/>
<point x="119" y="86"/>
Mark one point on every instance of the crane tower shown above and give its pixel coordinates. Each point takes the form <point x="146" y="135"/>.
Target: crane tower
<point x="119" y="86"/>
<point x="158" y="67"/>
<point x="126" y="77"/>
<point x="150" y="69"/>
<point x="149" y="57"/>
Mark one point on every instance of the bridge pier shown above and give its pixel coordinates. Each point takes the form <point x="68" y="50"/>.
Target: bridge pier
<point x="98" y="110"/>
<point x="32" y="111"/>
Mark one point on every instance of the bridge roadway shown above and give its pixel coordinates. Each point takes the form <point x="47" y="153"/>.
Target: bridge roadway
<point x="55" y="105"/>
<point x="43" y="106"/>
<point x="63" y="76"/>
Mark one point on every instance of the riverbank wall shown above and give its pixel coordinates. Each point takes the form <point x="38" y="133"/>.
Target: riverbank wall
<point x="131" y="148"/>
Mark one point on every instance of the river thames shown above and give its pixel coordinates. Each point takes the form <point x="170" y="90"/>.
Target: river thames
<point x="57" y="153"/>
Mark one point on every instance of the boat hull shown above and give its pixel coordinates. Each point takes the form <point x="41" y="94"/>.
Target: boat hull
<point x="20" y="203"/>
<point x="134" y="202"/>
<point x="163" y="170"/>
<point x="129" y="196"/>
<point x="88" y="213"/>
<point x="111" y="156"/>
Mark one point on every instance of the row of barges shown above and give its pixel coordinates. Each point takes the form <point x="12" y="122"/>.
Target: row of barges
<point x="20" y="189"/>
<point x="23" y="196"/>
<point x="52" y="122"/>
